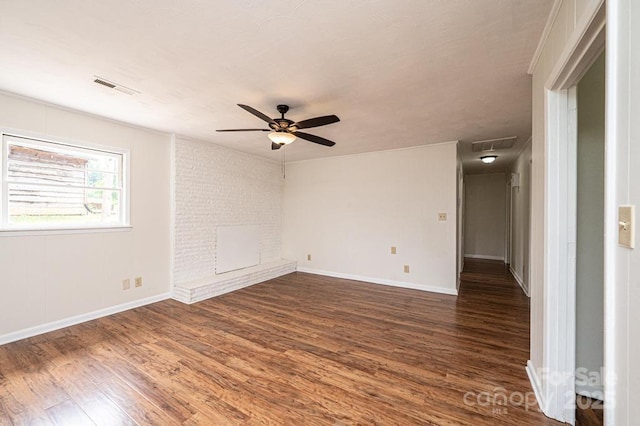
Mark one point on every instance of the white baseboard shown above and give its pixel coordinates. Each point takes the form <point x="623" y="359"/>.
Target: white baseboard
<point x="383" y="281"/>
<point x="519" y="281"/>
<point x="56" y="325"/>
<point x="482" y="256"/>
<point x="537" y="386"/>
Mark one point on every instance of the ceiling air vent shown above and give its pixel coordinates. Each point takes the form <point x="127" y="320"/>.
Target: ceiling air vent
<point x="104" y="83"/>
<point x="115" y="86"/>
<point x="493" y="144"/>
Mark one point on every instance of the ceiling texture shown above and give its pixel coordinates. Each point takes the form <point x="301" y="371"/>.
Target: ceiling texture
<point x="398" y="73"/>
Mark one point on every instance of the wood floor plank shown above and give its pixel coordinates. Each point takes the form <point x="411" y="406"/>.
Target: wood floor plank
<point x="68" y="413"/>
<point x="16" y="412"/>
<point x="137" y="406"/>
<point x="88" y="396"/>
<point x="299" y="349"/>
<point x="589" y="412"/>
<point x="146" y="384"/>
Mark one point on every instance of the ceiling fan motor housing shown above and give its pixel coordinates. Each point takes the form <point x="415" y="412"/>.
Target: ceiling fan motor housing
<point x="282" y="109"/>
<point x="282" y="124"/>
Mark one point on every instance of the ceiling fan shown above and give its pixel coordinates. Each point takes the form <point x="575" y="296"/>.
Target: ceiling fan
<point x="284" y="131"/>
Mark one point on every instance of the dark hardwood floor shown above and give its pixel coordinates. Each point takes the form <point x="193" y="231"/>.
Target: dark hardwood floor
<point x="300" y="349"/>
<point x="589" y="412"/>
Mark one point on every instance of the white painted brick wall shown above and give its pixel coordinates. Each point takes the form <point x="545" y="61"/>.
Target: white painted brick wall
<point x="218" y="186"/>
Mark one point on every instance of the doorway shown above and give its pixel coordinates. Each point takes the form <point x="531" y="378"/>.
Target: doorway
<point x="555" y="384"/>
<point x="589" y="277"/>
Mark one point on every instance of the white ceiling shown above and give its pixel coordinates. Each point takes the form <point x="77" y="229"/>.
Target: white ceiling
<point x="398" y="73"/>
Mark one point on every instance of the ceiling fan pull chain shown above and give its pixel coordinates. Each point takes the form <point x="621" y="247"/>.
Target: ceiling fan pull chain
<point x="284" y="164"/>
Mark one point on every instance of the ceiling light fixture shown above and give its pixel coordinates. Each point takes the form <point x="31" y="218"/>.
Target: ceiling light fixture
<point x="282" y="138"/>
<point x="488" y="159"/>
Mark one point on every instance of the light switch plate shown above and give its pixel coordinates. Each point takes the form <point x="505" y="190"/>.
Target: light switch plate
<point x="626" y="226"/>
<point x="394" y="250"/>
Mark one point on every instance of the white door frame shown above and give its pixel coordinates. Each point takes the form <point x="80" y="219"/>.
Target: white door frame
<point x="558" y="381"/>
<point x="509" y="219"/>
<point x="560" y="253"/>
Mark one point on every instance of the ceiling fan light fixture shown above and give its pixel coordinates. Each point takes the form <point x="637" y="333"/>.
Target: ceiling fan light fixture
<point x="282" y="138"/>
<point x="488" y="159"/>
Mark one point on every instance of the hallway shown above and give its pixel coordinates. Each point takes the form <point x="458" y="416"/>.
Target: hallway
<point x="490" y="304"/>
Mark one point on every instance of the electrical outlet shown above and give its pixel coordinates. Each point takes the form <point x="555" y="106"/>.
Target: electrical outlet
<point x="308" y="257"/>
<point x="138" y="282"/>
<point x="393" y="250"/>
<point x="126" y="284"/>
<point x="406" y="269"/>
<point x="442" y="217"/>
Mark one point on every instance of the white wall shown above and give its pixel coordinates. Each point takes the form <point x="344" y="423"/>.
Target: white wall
<point x="520" y="207"/>
<point x="49" y="278"/>
<point x="590" y="224"/>
<point x="348" y="211"/>
<point x="485" y="216"/>
<point x="622" y="154"/>
<point x="216" y="186"/>
<point x="562" y="29"/>
<point x="622" y="265"/>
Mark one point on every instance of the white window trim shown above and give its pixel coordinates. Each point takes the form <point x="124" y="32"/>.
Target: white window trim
<point x="7" y="230"/>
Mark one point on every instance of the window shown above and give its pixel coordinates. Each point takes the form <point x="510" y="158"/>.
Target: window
<point x="51" y="185"/>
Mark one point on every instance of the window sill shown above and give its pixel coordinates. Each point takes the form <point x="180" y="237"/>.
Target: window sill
<point x="58" y="231"/>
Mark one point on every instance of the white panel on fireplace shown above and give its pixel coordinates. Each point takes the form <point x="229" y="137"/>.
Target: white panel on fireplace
<point x="237" y="247"/>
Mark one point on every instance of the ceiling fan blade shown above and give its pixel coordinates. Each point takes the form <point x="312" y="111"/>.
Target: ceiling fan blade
<point x="257" y="114"/>
<point x="275" y="146"/>
<point x="317" y="121"/>
<point x="244" y="130"/>
<point x="314" y="139"/>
